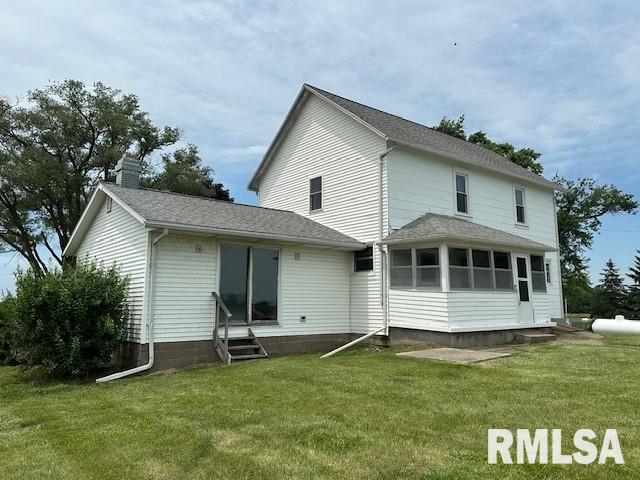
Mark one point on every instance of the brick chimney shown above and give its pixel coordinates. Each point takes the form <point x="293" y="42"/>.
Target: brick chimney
<point x="128" y="171"/>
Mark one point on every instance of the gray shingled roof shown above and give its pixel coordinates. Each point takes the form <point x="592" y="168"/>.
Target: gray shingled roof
<point x="411" y="133"/>
<point x="442" y="227"/>
<point x="187" y="212"/>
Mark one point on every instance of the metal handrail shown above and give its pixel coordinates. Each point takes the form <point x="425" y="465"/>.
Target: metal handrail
<point x="224" y="345"/>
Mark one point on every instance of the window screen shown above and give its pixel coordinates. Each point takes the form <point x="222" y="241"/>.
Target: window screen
<point x="502" y="271"/>
<point x="401" y="268"/>
<point x="427" y="267"/>
<point x="538" y="274"/>
<point x="459" y="268"/>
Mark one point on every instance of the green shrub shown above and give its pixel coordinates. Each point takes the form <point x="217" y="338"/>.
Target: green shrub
<point x="6" y="329"/>
<point x="69" y="321"/>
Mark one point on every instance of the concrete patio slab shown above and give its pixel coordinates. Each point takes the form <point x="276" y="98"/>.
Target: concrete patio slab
<point x="455" y="355"/>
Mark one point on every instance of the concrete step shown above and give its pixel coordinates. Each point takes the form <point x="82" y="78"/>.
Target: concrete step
<point x="532" y="338"/>
<point x="564" y="328"/>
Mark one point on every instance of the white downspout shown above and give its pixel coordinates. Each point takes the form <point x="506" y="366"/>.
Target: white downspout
<point x="383" y="282"/>
<point x="149" y="317"/>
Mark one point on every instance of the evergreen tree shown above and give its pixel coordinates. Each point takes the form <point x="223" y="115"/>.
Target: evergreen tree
<point x="632" y="297"/>
<point x="609" y="295"/>
<point x="634" y="271"/>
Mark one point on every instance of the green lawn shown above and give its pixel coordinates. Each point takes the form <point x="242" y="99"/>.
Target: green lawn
<point x="361" y="414"/>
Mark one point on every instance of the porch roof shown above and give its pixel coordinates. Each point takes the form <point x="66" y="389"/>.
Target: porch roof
<point x="159" y="209"/>
<point x="443" y="227"/>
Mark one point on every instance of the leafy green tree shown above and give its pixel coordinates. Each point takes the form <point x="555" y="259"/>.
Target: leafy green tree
<point x="609" y="294"/>
<point x="454" y="128"/>
<point x="525" y="157"/>
<point x="54" y="148"/>
<point x="183" y="172"/>
<point x="580" y="208"/>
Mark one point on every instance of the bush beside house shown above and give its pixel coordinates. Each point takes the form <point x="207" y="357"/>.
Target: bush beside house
<point x="69" y="321"/>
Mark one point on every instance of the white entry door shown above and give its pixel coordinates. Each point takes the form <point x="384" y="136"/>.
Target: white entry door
<point x="523" y="289"/>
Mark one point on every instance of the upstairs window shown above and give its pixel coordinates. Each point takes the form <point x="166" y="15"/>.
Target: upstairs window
<point x="315" y="194"/>
<point x="520" y="211"/>
<point x="462" y="193"/>
<point x="363" y="260"/>
<point x="538" y="274"/>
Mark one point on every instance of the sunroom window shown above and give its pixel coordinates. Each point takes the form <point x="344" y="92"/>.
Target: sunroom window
<point x="427" y="267"/>
<point x="538" y="274"/>
<point x="415" y="268"/>
<point x="479" y="269"/>
<point x="459" y="268"/>
<point x="401" y="268"/>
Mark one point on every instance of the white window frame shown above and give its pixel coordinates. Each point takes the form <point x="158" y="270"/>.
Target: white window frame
<point x="464" y="174"/>
<point x="538" y="272"/>
<point x="524" y="206"/>
<point x="414" y="269"/>
<point x="470" y="268"/>
<point x="314" y="193"/>
<point x="109" y="205"/>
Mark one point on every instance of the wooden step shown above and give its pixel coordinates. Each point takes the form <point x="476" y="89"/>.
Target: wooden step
<point x="532" y="338"/>
<point x="252" y="346"/>
<point x="247" y="357"/>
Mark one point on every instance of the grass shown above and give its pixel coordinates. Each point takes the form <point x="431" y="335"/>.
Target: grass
<point x="362" y="414"/>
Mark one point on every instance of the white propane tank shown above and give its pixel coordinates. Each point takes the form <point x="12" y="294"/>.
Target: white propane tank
<point x="618" y="325"/>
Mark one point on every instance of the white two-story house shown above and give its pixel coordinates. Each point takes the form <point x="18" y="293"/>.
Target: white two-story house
<point x="366" y="222"/>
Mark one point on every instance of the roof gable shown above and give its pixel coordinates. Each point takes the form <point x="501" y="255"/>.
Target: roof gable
<point x="405" y="132"/>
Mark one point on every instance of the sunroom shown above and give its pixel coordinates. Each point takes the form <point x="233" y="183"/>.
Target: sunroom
<point x="449" y="274"/>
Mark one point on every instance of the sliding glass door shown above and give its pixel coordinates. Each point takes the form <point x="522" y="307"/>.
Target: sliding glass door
<point x="249" y="282"/>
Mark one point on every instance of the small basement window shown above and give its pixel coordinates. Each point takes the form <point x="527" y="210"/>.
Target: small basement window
<point x="520" y="210"/>
<point x="538" y="274"/>
<point x="315" y="194"/>
<point x="462" y="193"/>
<point x="363" y="260"/>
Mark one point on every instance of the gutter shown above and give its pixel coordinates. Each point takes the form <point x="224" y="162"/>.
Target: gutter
<point x="149" y="317"/>
<point x="355" y="245"/>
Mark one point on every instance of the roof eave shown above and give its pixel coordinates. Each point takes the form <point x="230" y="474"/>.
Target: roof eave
<point x="541" y="181"/>
<point x="355" y="245"/>
<point x="532" y="248"/>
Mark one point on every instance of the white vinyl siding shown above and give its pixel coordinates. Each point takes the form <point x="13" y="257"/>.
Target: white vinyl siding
<point x="419" y="182"/>
<point x="116" y="237"/>
<point x="326" y="142"/>
<point x="186" y="276"/>
<point x="419" y="309"/>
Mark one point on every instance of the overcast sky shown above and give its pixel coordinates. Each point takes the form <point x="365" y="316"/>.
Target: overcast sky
<point x="562" y="77"/>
